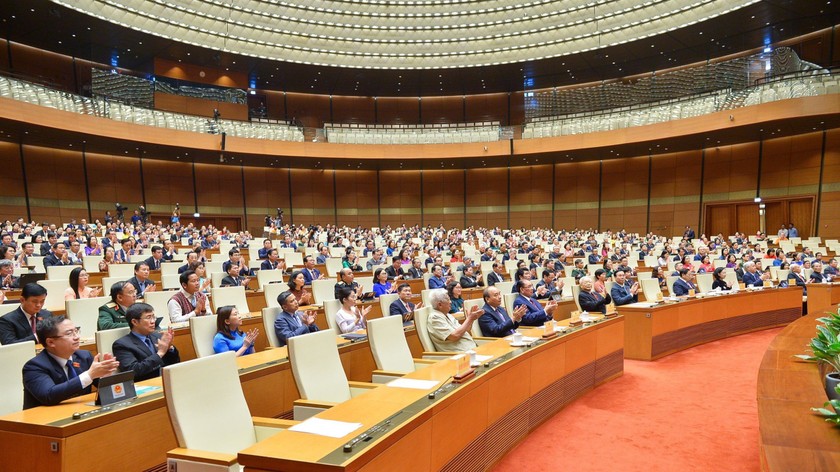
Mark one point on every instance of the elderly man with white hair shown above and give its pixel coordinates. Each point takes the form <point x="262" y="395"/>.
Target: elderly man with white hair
<point x="752" y="278"/>
<point x="446" y="333"/>
<point x="589" y="299"/>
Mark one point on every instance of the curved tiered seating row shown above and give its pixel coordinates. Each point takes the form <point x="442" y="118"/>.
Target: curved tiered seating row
<point x="413" y="134"/>
<point x="378" y="34"/>
<point x="40" y="95"/>
<point x="802" y="86"/>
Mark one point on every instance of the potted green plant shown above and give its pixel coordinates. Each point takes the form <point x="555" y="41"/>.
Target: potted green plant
<point x="825" y="347"/>
<point x="831" y="416"/>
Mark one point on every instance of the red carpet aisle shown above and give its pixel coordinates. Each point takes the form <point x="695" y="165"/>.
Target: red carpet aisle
<point x="693" y="410"/>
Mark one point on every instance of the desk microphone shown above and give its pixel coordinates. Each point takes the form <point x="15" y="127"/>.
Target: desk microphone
<point x="432" y="395"/>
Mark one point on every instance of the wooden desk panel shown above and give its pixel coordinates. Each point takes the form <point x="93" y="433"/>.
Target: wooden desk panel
<point x="822" y="297"/>
<point x="269" y="390"/>
<point x="498" y="407"/>
<point x="655" y="332"/>
<point x="791" y="437"/>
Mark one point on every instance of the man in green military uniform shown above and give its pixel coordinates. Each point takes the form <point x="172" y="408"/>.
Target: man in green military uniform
<point x="112" y="314"/>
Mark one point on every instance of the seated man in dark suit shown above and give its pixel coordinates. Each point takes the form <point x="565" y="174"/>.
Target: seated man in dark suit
<point x="309" y="271"/>
<point x="47" y="245"/>
<point x="624" y="292"/>
<point x="19" y="325"/>
<point x="7" y="278"/>
<point x="235" y="258"/>
<point x="395" y="270"/>
<point x="795" y="277"/>
<point x="273" y="261"/>
<point x="590" y="300"/>
<point x="233" y="279"/>
<point x="437" y="280"/>
<point x="156" y="258"/>
<point x="141" y="281"/>
<point x="144" y="351"/>
<point x="535" y="314"/>
<point x="191" y="257"/>
<point x="416" y="269"/>
<point x="495" y="276"/>
<point x="58" y="256"/>
<point x="817" y="273"/>
<point x="683" y="284"/>
<point x="547" y="287"/>
<point x="323" y="254"/>
<point x="495" y="322"/>
<point x="752" y="277"/>
<point x="403" y="306"/>
<point x="594" y="258"/>
<point x="263" y="252"/>
<point x="288" y="324"/>
<point x="468" y="280"/>
<point x="61" y="370"/>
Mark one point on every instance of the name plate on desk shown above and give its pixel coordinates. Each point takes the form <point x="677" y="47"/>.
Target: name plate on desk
<point x="116" y="388"/>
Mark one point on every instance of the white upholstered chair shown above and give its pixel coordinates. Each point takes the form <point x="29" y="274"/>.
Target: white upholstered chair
<point x="202" y="444"/>
<point x="85" y="314"/>
<point x="12" y="359"/>
<point x="390" y="349"/>
<point x="106" y="337"/>
<point x="230" y="296"/>
<point x="319" y="375"/>
<point x="202" y="330"/>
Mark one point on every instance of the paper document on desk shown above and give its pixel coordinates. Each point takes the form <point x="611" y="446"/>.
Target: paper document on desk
<point x="413" y="383"/>
<point x="329" y="428"/>
<point x="478" y="357"/>
<point x="641" y="305"/>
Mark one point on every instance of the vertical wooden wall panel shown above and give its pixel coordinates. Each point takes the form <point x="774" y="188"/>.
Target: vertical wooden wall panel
<point x="829" y="223"/>
<point x="624" y="195"/>
<point x="576" y="195"/>
<point x="356" y="203"/>
<point x="442" y="109"/>
<point x="399" y="197"/>
<point x="311" y="110"/>
<point x="530" y="196"/>
<point x="12" y="196"/>
<point x="443" y="197"/>
<point x="487" y="107"/>
<point x="167" y="183"/>
<point x="56" y="184"/>
<point x="398" y="110"/>
<point x="113" y="179"/>
<point x="312" y="196"/>
<point x="487" y="197"/>
<point x="219" y="189"/>
<point x="266" y="189"/>
<point x="353" y="109"/>
<point x="675" y="192"/>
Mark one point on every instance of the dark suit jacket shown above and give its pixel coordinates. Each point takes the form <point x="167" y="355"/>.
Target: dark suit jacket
<point x="398" y="309"/>
<point x="493" y="278"/>
<point x="134" y="355"/>
<point x="136" y="283"/>
<point x="536" y="315"/>
<point x="470" y="282"/>
<point x="589" y="302"/>
<point x="51" y="260"/>
<point x="15" y="328"/>
<point x="752" y="279"/>
<point x="229" y="281"/>
<point x="267" y="265"/>
<point x="288" y="326"/>
<point x="153" y="263"/>
<point x="621" y="294"/>
<point x="45" y="383"/>
<point x="393" y="273"/>
<point x="183" y="268"/>
<point x="681" y="287"/>
<point x="817" y="277"/>
<point x="15" y="282"/>
<point x="308" y="278"/>
<point x="800" y="281"/>
<point x="414" y="273"/>
<point x="495" y="325"/>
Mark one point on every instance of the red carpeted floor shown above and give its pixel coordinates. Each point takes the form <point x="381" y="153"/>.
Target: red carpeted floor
<point x="693" y="410"/>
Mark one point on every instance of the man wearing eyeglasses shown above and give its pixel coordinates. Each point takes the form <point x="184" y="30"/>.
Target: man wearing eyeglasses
<point x="144" y="350"/>
<point x="61" y="370"/>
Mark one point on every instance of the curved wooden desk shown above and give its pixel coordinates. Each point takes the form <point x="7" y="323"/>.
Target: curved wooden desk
<point x="654" y="332"/>
<point x="48" y="439"/>
<point x="791" y="436"/>
<point x="467" y="428"/>
<point x="823" y="295"/>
